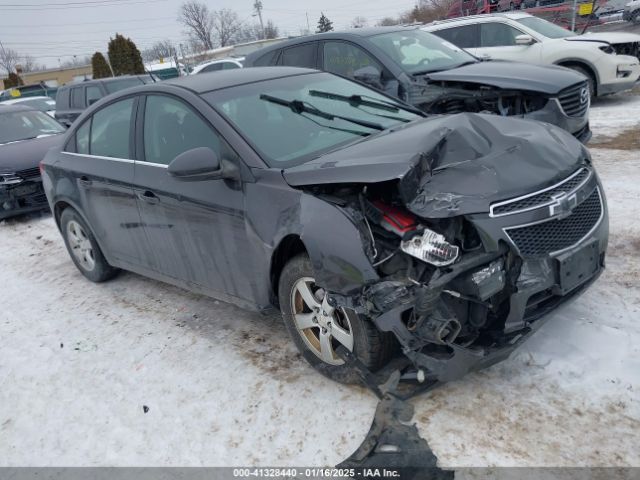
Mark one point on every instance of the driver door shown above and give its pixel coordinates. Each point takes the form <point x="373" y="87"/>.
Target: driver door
<point x="498" y="42"/>
<point x="196" y="229"/>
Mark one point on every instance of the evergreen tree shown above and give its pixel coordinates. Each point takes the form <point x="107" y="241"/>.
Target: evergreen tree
<point x="124" y="56"/>
<point x="136" y="58"/>
<point x="324" y="24"/>
<point x="100" y="66"/>
<point x="13" y="80"/>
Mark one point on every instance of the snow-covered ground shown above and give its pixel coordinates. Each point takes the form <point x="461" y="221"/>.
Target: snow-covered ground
<point x="79" y="363"/>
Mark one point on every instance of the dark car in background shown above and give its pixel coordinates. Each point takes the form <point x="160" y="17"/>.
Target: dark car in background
<point x="439" y="77"/>
<point x="365" y="221"/>
<point x="73" y="99"/>
<point x="25" y="136"/>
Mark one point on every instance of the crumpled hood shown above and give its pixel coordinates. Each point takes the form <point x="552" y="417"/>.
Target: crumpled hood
<point x="454" y="164"/>
<point x="26" y="154"/>
<point x="547" y="79"/>
<point x="606" y="37"/>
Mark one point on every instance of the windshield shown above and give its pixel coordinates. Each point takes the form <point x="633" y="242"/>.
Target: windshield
<point x="545" y="28"/>
<point x="116" y="85"/>
<point x="421" y="52"/>
<point x="294" y="119"/>
<point x="17" y="126"/>
<point x="41" y="104"/>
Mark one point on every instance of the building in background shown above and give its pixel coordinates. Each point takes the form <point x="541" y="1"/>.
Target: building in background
<point x="55" y="77"/>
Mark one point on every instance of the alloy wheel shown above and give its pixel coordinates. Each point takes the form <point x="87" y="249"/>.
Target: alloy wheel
<point x="80" y="245"/>
<point x="322" y="327"/>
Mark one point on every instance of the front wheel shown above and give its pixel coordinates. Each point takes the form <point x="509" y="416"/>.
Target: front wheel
<point x="318" y="329"/>
<point x="590" y="79"/>
<point x="83" y="248"/>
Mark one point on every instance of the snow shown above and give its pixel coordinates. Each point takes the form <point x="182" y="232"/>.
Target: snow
<point x="79" y="361"/>
<point x="613" y="114"/>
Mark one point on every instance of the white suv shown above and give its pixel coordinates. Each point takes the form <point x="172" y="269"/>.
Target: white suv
<point x="632" y="12"/>
<point x="610" y="60"/>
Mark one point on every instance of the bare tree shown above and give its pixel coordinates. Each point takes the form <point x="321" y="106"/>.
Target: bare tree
<point x="163" y="49"/>
<point x="9" y="58"/>
<point x="76" y="62"/>
<point x="199" y="21"/>
<point x="226" y="25"/>
<point x="29" y="64"/>
<point x="388" y="21"/>
<point x="359" y="22"/>
<point x="271" y="30"/>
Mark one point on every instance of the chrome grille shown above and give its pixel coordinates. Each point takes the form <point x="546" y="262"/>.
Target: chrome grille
<point x="543" y="197"/>
<point x="555" y="235"/>
<point x="572" y="101"/>
<point x="29" y="173"/>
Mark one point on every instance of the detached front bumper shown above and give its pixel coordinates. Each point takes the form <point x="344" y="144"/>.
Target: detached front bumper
<point x="536" y="259"/>
<point x="25" y="197"/>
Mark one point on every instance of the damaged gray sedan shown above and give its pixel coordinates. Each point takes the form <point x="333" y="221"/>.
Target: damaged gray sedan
<point x="444" y="240"/>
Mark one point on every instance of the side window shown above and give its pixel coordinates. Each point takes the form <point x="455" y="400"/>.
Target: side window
<point x="171" y="128"/>
<point x="213" y="68"/>
<point x="111" y="130"/>
<point x="62" y="99"/>
<point x="299" y="56"/>
<point x="462" y="37"/>
<point x="498" y="35"/>
<point x="266" y="59"/>
<point x="82" y="138"/>
<point x="93" y="94"/>
<point x="345" y="58"/>
<point x="229" y="66"/>
<point x="77" y="97"/>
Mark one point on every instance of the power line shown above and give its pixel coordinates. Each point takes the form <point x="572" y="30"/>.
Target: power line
<point x="118" y="3"/>
<point x="62" y="25"/>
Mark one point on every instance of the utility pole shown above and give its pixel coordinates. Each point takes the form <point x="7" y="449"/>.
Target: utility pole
<point x="573" y="16"/>
<point x="258" y="8"/>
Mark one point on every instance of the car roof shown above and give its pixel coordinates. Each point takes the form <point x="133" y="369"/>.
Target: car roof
<point x="15" y="108"/>
<point x="341" y="34"/>
<point x="22" y="99"/>
<point x="107" y="79"/>
<point x="207" y="82"/>
<point x="480" y="18"/>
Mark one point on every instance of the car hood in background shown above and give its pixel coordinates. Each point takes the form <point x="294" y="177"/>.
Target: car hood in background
<point x="512" y="76"/>
<point x="606" y="37"/>
<point x="452" y="165"/>
<point x="26" y="154"/>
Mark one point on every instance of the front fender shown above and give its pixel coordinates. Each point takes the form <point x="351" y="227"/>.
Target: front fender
<point x="335" y="246"/>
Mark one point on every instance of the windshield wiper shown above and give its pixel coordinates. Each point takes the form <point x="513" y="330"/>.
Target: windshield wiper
<point x="300" y="107"/>
<point x="366" y="101"/>
<point x="424" y="72"/>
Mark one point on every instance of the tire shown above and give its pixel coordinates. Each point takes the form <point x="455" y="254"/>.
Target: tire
<point x="83" y="248"/>
<point x="590" y="79"/>
<point x="635" y="17"/>
<point x="372" y="347"/>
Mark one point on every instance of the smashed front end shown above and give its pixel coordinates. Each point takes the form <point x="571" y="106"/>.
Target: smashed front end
<point x="472" y="248"/>
<point x="21" y="192"/>
<point x="568" y="109"/>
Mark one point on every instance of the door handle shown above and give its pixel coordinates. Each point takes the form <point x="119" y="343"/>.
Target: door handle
<point x="84" y="181"/>
<point x="148" y="196"/>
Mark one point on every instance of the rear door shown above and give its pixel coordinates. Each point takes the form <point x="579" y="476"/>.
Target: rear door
<point x="102" y="167"/>
<point x="464" y="36"/>
<point x="196" y="228"/>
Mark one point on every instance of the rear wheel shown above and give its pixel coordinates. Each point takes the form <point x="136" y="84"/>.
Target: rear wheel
<point x="318" y="329"/>
<point x="83" y="248"/>
<point x="635" y="18"/>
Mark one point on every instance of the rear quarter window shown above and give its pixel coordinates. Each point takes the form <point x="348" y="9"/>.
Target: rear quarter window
<point x="62" y="99"/>
<point x="267" y="59"/>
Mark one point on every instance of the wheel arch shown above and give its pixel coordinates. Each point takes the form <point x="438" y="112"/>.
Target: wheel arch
<point x="289" y="246"/>
<point x="578" y="62"/>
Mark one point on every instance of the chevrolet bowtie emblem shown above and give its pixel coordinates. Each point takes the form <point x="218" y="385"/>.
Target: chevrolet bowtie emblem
<point x="563" y="204"/>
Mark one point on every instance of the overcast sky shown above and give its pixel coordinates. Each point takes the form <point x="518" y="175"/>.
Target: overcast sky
<point x="59" y="29"/>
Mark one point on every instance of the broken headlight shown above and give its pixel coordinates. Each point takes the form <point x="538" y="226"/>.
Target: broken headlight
<point x="431" y="247"/>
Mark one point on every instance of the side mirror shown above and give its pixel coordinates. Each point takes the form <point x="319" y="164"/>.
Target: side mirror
<point x="196" y="164"/>
<point x="369" y="75"/>
<point x="524" y="40"/>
